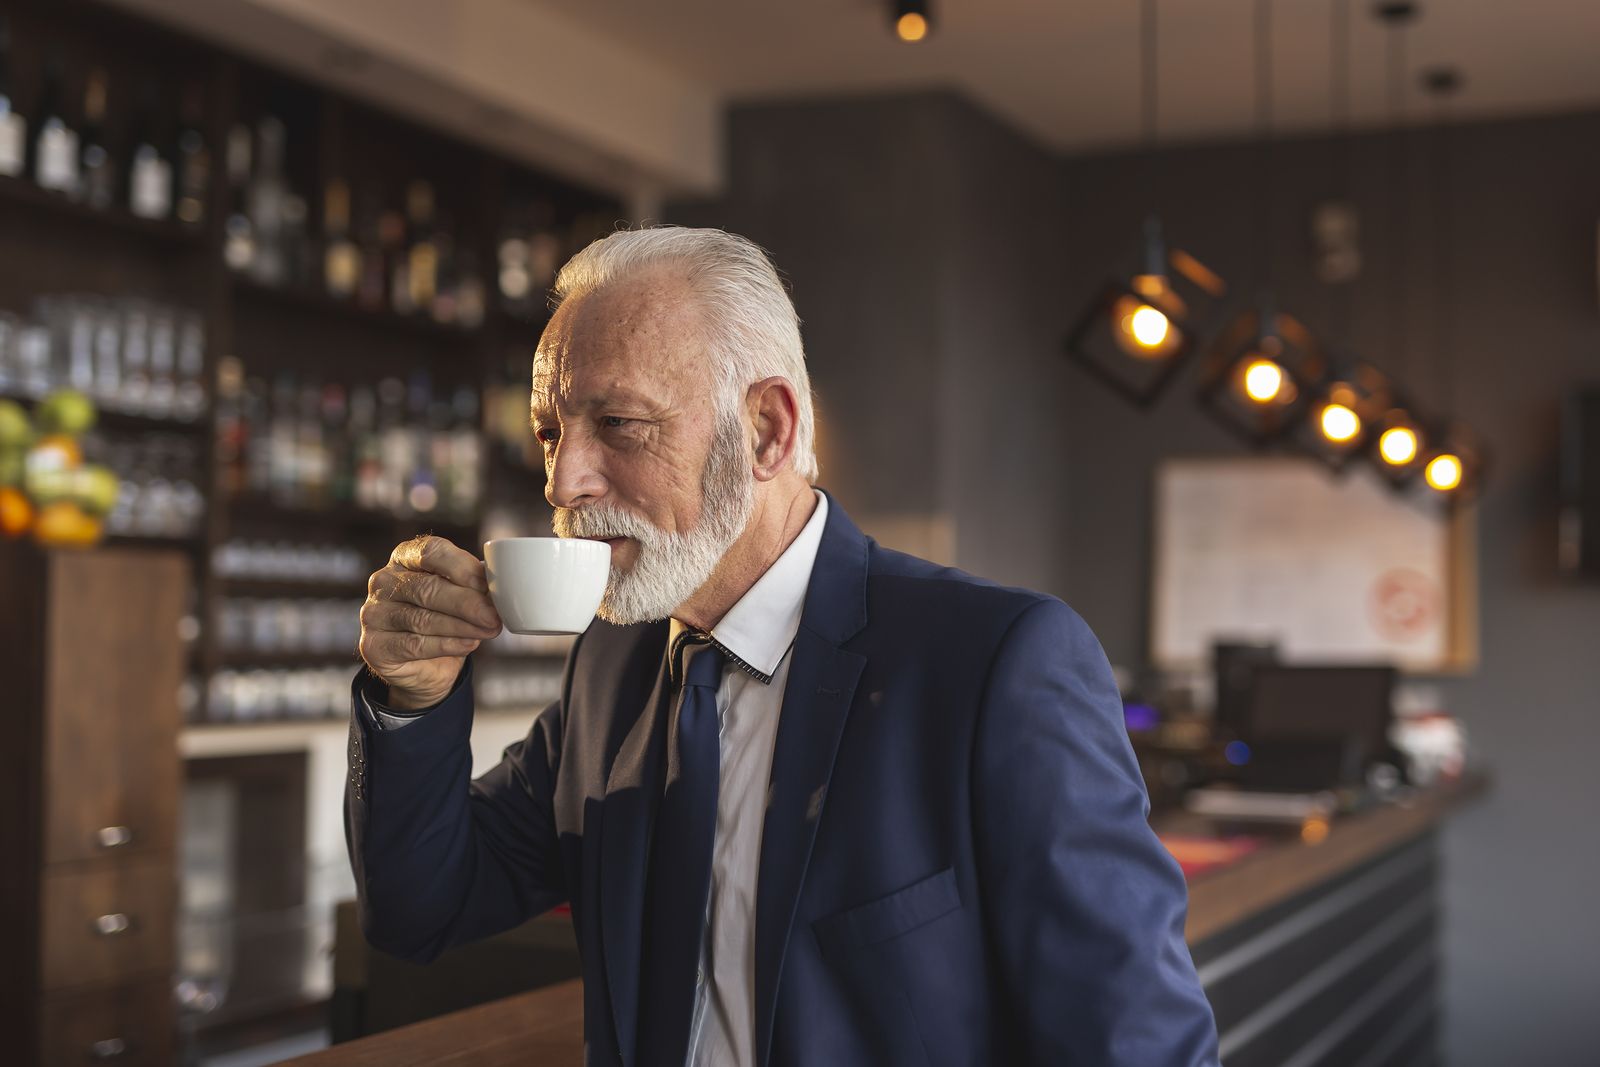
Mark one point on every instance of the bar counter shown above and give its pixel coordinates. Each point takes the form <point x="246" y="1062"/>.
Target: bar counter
<point x="1312" y="952"/>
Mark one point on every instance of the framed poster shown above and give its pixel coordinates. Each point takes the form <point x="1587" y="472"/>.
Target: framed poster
<point x="1334" y="569"/>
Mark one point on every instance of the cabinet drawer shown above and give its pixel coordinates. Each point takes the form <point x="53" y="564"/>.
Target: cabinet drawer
<point x="107" y="923"/>
<point x="111" y="762"/>
<point x="131" y="1024"/>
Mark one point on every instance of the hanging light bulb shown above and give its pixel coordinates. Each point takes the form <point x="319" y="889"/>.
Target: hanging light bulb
<point x="1398" y="445"/>
<point x="1338" y="421"/>
<point x="1139" y="330"/>
<point x="1263" y="381"/>
<point x="1443" y="471"/>
<point x="911" y="20"/>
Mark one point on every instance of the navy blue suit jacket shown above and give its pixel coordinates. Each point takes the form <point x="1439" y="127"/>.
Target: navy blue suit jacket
<point x="956" y="864"/>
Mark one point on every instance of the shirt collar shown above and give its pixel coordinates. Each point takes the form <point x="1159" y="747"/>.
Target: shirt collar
<point x="759" y="628"/>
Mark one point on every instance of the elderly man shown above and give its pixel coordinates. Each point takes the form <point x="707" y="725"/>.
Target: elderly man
<point x="813" y="801"/>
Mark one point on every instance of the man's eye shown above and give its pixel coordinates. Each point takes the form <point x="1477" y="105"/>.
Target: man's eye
<point x="546" y="434"/>
<point x="613" y="420"/>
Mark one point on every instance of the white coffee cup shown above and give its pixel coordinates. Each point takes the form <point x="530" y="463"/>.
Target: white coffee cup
<point x="547" y="585"/>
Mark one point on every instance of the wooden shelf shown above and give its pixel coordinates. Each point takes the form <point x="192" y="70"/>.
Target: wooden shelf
<point x="311" y="302"/>
<point x="25" y="194"/>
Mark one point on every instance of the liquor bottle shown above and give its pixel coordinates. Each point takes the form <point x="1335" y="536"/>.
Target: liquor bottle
<point x="190" y="401"/>
<point x="366" y="452"/>
<point x="149" y="172"/>
<point x="422" y="487"/>
<point x="471" y="297"/>
<point x="239" y="241"/>
<point x="370" y="293"/>
<point x="55" y="144"/>
<point x="97" y="168"/>
<point x="163" y="364"/>
<point x="13" y="127"/>
<point x="135" y="356"/>
<point x="394" y="446"/>
<point x="341" y="260"/>
<point x="337" y="445"/>
<point x="297" y="257"/>
<point x="193" y="172"/>
<point x="267" y="193"/>
<point x="255" y="438"/>
<point x="231" y="429"/>
<point x="283" y="442"/>
<point x="515" y="276"/>
<point x="466" y="454"/>
<point x="397" y="260"/>
<point x="544" y="248"/>
<point x="446" y="305"/>
<point x="312" y="475"/>
<point x="423" y="256"/>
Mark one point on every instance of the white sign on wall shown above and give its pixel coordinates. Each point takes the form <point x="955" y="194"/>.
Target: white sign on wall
<point x="1279" y="549"/>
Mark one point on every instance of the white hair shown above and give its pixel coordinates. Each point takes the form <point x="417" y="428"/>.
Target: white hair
<point x="752" y="331"/>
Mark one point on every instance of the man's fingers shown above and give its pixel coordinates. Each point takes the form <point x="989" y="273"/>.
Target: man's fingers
<point x="441" y="595"/>
<point x="438" y="556"/>
<point x="400" y="617"/>
<point x="385" y="648"/>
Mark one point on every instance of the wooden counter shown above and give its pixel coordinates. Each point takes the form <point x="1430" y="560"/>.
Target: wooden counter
<point x="1246" y="924"/>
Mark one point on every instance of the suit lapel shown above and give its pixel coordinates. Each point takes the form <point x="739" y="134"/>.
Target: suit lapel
<point x="633" y="791"/>
<point x="816" y="703"/>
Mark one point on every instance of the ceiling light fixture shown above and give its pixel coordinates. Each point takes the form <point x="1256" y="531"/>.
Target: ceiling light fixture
<point x="911" y="19"/>
<point x="1136" y="333"/>
<point x="1264" y="367"/>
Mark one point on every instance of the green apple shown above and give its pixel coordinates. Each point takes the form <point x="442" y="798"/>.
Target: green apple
<point x="65" y="411"/>
<point x="95" y="489"/>
<point x="16" y="432"/>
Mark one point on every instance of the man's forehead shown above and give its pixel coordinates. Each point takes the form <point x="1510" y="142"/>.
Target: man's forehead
<point x="634" y="342"/>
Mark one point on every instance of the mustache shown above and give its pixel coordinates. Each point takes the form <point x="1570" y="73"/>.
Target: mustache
<point x="602" y="520"/>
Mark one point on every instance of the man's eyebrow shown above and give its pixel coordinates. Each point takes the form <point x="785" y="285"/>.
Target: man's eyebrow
<point x="539" y="402"/>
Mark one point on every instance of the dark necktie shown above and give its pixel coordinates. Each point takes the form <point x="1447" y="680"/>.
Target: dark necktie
<point x="680" y="856"/>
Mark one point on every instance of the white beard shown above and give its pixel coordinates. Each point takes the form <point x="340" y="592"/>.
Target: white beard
<point x="671" y="567"/>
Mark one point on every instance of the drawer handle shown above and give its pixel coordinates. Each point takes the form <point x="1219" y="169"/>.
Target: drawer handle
<point x="110" y="1049"/>
<point x="112" y="836"/>
<point x="115" y="923"/>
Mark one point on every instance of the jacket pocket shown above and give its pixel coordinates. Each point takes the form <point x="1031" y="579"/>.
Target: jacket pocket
<point x="900" y="912"/>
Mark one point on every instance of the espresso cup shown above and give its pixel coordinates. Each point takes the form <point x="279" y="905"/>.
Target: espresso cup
<point x="547" y="585"/>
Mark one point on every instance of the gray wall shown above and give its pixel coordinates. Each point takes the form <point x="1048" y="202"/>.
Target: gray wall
<point x="937" y="259"/>
<point x="930" y="332"/>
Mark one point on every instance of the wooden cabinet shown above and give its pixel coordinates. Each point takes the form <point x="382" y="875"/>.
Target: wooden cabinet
<point x="90" y="666"/>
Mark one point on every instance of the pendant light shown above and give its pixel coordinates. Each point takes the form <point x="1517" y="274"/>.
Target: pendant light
<point x="1264" y="366"/>
<point x="1338" y="422"/>
<point x="910" y="19"/>
<point x="1399" y="440"/>
<point x="1454" y="461"/>
<point x="1139" y="330"/>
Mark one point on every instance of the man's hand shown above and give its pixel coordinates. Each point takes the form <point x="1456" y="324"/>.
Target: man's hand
<point x="425" y="611"/>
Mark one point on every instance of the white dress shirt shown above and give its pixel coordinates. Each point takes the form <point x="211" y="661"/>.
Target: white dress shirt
<point x="756" y="636"/>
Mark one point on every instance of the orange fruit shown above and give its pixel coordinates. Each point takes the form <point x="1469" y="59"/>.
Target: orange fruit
<point x="16" y="514"/>
<point x="65" y="523"/>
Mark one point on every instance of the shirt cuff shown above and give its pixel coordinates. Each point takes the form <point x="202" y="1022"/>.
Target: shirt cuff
<point x="374" y="693"/>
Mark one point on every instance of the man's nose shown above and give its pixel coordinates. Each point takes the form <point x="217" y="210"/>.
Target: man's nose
<point x="573" y="476"/>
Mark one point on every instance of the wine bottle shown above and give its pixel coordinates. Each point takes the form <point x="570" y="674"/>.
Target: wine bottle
<point x="239" y="241"/>
<point x="149" y="171"/>
<point x="341" y="261"/>
<point x="192" y="175"/>
<point x="268" y="192"/>
<point x="422" y="272"/>
<point x="97" y="168"/>
<point x="55" y="145"/>
<point x="13" y="127"/>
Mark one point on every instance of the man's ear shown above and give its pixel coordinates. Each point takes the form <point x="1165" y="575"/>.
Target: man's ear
<point x="775" y="421"/>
